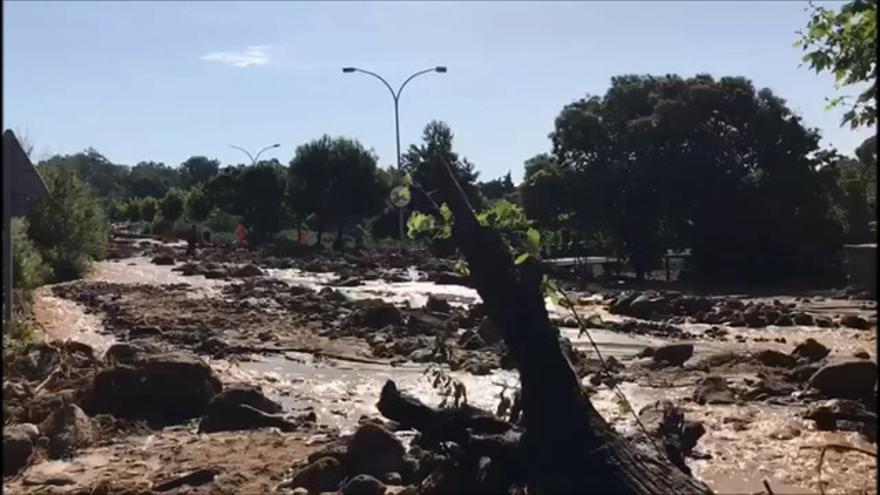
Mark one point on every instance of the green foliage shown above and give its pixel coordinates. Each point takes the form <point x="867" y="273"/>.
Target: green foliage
<point x="151" y="179"/>
<point x="68" y="227"/>
<point x="198" y="204"/>
<point x="337" y="181"/>
<point x="171" y="205"/>
<point x="29" y="271"/>
<point x="220" y="221"/>
<point x="844" y="42"/>
<point x="262" y="201"/>
<point x="149" y="208"/>
<point x="419" y="162"/>
<point x="501" y="188"/>
<point x="130" y="209"/>
<point x="713" y="165"/>
<point x="198" y="170"/>
<point x="105" y="178"/>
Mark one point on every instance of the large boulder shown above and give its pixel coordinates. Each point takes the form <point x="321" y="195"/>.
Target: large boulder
<point x="418" y="323"/>
<point x="375" y="451"/>
<point x="165" y="388"/>
<point x="846" y="379"/>
<point x="810" y="350"/>
<point x="435" y="304"/>
<point x="242" y="408"/>
<point x="673" y="354"/>
<point x="803" y="319"/>
<point x="18" y="446"/>
<point x="68" y="429"/>
<point x="162" y="260"/>
<point x="855" y="321"/>
<point x="375" y="313"/>
<point x="713" y="389"/>
<point x="776" y="359"/>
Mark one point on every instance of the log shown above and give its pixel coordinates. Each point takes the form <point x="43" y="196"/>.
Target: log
<point x="569" y="447"/>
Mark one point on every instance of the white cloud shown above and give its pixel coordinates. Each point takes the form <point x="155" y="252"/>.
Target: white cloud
<point x="252" y="55"/>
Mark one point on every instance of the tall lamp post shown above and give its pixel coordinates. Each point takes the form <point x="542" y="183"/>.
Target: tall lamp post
<point x="252" y="157"/>
<point x="396" y="96"/>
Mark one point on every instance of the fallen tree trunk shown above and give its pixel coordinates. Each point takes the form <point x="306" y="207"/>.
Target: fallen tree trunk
<point x="569" y="447"/>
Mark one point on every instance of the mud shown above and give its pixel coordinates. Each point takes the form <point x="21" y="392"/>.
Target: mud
<point x="291" y="331"/>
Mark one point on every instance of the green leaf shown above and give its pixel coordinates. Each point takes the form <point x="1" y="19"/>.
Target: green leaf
<point x="522" y="258"/>
<point x="533" y="242"/>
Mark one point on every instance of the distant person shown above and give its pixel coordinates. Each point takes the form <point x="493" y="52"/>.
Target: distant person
<point x="239" y="232"/>
<point x="191" y="240"/>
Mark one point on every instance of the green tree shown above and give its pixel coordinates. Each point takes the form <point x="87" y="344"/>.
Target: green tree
<point x="198" y="204"/>
<point x="93" y="168"/>
<point x="198" y="170"/>
<point x="311" y="177"/>
<point x="149" y="208"/>
<point x="844" y="42"/>
<point x="713" y="165"/>
<point x="262" y="200"/>
<point x="130" y="209"/>
<point x="501" y="188"/>
<point x="418" y="162"/>
<point x="171" y="205"/>
<point x="68" y="226"/>
<point x="151" y="179"/>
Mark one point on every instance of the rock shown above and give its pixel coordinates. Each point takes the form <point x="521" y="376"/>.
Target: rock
<point x="17" y="450"/>
<point x="418" y="323"/>
<point x="29" y="429"/>
<point x="862" y="355"/>
<point x="826" y="414"/>
<point x="123" y="352"/>
<point x="375" y="313"/>
<point x="437" y="305"/>
<point x="810" y="350"/>
<point x="824" y="322"/>
<point x="854" y="321"/>
<point x="372" y="440"/>
<point x="451" y="278"/>
<point x="215" y="274"/>
<point x="673" y="354"/>
<point x="144" y="331"/>
<point x="776" y="359"/>
<point x="713" y="389"/>
<point x="363" y="484"/>
<point x="803" y="319"/>
<point x="846" y="379"/>
<point x="488" y="332"/>
<point x="786" y="433"/>
<point x="621" y="304"/>
<point x="646" y="352"/>
<point x="471" y="340"/>
<point x="246" y="271"/>
<point x="348" y="282"/>
<point x="392" y="479"/>
<point x="421" y="355"/>
<point x="164" y="388"/>
<point x="337" y="450"/>
<point x="242" y="408"/>
<point x="162" y="260"/>
<point x="784" y="321"/>
<point x="323" y="475"/>
<point x="665" y="421"/>
<point x="68" y="429"/>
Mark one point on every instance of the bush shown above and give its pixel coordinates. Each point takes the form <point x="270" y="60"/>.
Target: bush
<point x="172" y="204"/>
<point x="220" y="221"/>
<point x="68" y="226"/>
<point x="198" y="204"/>
<point x="29" y="271"/>
<point x="149" y="207"/>
<point x="131" y="209"/>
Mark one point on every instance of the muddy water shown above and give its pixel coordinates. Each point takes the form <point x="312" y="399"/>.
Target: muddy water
<point x="768" y="442"/>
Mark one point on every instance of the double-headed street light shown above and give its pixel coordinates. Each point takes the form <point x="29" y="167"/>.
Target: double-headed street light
<point x="252" y="157"/>
<point x="396" y="96"/>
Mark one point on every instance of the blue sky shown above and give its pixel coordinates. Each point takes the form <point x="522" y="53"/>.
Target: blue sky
<point x="166" y="80"/>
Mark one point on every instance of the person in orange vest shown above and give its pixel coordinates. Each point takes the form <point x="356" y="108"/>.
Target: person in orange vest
<point x="302" y="236"/>
<point x="239" y="232"/>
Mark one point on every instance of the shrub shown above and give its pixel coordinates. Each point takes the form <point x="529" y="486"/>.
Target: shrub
<point x="172" y="204"/>
<point x="149" y="207"/>
<point x="220" y="221"/>
<point x="68" y="226"/>
<point x="29" y="271"/>
<point x="198" y="204"/>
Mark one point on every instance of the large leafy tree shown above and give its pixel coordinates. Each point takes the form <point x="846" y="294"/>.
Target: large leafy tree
<point x="844" y="42"/>
<point x="172" y="204"/>
<point x="500" y="188"/>
<point x="419" y="161"/>
<point x="261" y="200"/>
<point x="93" y="168"/>
<point x="151" y="179"/>
<point x="713" y="165"/>
<point x="198" y="170"/>
<point x="336" y="181"/>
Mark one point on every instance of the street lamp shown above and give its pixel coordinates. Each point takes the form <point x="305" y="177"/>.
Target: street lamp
<point x="252" y="157"/>
<point x="396" y="96"/>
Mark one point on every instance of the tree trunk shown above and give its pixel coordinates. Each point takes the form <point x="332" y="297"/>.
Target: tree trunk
<point x="569" y="448"/>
